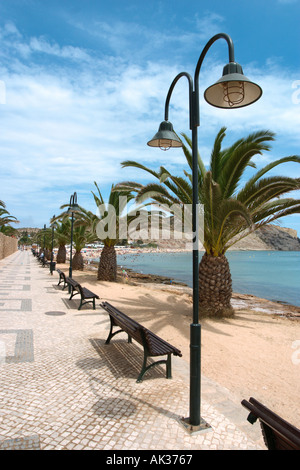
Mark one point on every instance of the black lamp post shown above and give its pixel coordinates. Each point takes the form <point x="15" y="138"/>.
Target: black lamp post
<point x="52" y="264"/>
<point x="233" y="90"/>
<point x="44" y="247"/>
<point x="73" y="207"/>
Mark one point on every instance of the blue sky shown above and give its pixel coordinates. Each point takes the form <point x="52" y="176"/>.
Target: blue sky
<point x="83" y="86"/>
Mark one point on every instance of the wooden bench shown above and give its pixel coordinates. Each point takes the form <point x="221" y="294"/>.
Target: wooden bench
<point x="86" y="296"/>
<point x="153" y="345"/>
<point x="62" y="278"/>
<point x="278" y="434"/>
<point x="42" y="260"/>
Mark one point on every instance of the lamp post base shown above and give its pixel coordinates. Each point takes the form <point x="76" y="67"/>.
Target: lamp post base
<point x="191" y="429"/>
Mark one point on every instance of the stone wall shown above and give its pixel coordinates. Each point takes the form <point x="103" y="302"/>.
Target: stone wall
<point x="8" y="245"/>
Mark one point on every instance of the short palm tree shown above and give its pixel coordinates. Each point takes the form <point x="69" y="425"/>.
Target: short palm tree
<point x="232" y="209"/>
<point x="107" y="269"/>
<point x="62" y="234"/>
<point x="81" y="236"/>
<point x="44" y="239"/>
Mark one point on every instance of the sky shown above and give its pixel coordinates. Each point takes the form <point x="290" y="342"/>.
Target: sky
<point x="83" y="85"/>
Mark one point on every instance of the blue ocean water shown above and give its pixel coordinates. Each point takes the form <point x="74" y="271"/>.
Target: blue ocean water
<point x="273" y="275"/>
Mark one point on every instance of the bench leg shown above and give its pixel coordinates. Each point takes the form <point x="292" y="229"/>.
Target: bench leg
<point x="89" y="301"/>
<point x="111" y="334"/>
<point x="145" y="367"/>
<point x="169" y="367"/>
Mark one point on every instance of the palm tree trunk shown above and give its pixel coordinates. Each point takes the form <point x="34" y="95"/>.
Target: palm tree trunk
<point x="107" y="269"/>
<point x="215" y="287"/>
<point x="61" y="254"/>
<point x="77" y="261"/>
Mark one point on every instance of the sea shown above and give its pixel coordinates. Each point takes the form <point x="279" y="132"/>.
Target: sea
<point x="272" y="275"/>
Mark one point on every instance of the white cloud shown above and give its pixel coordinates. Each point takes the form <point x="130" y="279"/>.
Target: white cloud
<point x="64" y="127"/>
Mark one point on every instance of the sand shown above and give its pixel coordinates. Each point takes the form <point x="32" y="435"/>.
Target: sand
<point x="256" y="353"/>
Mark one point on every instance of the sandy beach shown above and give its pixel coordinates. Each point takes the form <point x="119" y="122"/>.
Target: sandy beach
<point x="256" y="353"/>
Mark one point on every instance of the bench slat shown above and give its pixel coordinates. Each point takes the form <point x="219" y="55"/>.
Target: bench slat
<point x="278" y="433"/>
<point x="153" y="345"/>
<point x="83" y="291"/>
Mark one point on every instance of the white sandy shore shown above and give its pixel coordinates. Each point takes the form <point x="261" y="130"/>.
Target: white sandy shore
<point x="256" y="353"/>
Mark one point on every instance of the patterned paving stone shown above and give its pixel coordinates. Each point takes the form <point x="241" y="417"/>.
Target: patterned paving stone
<point x="25" y="443"/>
<point x="63" y="388"/>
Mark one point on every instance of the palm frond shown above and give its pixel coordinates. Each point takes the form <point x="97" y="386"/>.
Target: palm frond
<point x="155" y="190"/>
<point x="237" y="158"/>
<point x="215" y="160"/>
<point x="131" y="163"/>
<point x="248" y="188"/>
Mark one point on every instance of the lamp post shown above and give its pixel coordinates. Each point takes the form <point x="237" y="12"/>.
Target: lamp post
<point x="52" y="264"/>
<point x="73" y="207"/>
<point x="232" y="90"/>
<point x="44" y="247"/>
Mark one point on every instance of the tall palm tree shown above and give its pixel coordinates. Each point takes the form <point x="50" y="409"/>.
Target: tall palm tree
<point x="232" y="209"/>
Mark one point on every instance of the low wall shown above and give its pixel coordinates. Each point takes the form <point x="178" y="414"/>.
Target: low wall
<point x="8" y="245"/>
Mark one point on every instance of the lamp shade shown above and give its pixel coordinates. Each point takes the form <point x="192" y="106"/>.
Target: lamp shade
<point x="165" y="137"/>
<point x="233" y="90"/>
<point x="73" y="207"/>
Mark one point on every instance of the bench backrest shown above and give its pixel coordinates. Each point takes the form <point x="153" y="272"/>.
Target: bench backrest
<point x="123" y="321"/>
<point x="72" y="282"/>
<point x="84" y="291"/>
<point x="278" y="433"/>
<point x="156" y="345"/>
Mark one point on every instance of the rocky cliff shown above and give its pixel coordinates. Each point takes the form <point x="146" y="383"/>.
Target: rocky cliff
<point x="270" y="237"/>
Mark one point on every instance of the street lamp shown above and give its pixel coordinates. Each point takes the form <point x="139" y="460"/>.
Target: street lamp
<point x="73" y="207"/>
<point x="44" y="247"/>
<point x="52" y="264"/>
<point x="233" y="90"/>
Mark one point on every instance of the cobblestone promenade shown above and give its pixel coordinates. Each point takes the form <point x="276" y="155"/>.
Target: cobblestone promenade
<point x="61" y="388"/>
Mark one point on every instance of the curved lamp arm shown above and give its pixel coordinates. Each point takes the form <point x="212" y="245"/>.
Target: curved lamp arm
<point x="176" y="79"/>
<point x="199" y="64"/>
<point x="194" y="113"/>
<point x="232" y="90"/>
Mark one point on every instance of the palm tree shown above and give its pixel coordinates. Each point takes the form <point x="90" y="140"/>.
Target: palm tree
<point x="10" y="231"/>
<point x="62" y="234"/>
<point x="44" y="239"/>
<point x="232" y="210"/>
<point x="5" y="217"/>
<point x="81" y="236"/>
<point x="83" y="233"/>
<point x="107" y="269"/>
